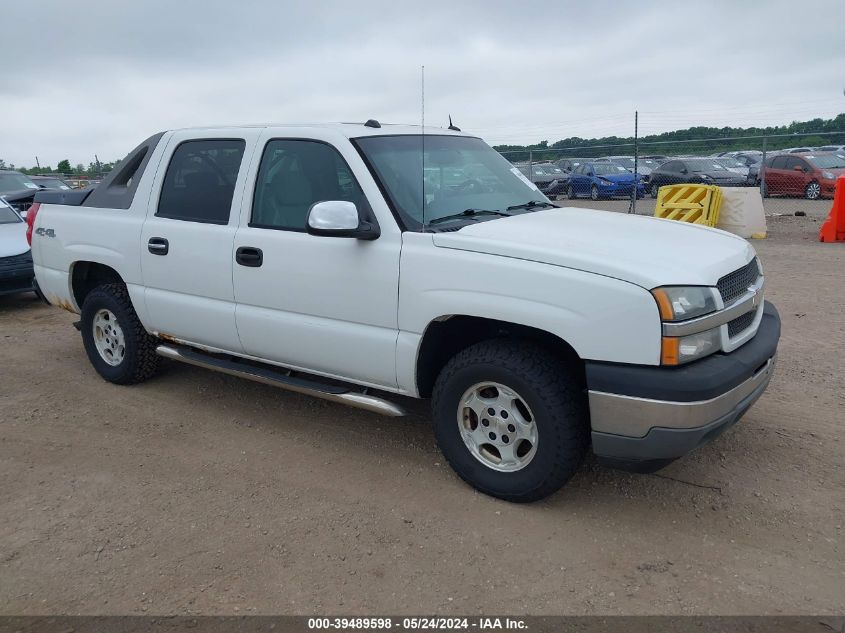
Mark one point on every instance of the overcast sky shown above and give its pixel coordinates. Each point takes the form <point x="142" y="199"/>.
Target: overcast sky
<point x="97" y="77"/>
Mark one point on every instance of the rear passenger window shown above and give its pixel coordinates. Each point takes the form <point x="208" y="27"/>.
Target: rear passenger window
<point x="200" y="181"/>
<point x="779" y="162"/>
<point x="295" y="174"/>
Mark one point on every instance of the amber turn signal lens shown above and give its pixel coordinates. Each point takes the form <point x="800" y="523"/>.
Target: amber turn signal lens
<point x="664" y="304"/>
<point x="669" y="350"/>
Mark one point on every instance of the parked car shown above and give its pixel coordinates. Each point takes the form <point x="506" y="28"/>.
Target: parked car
<point x="693" y="171"/>
<point x="536" y="331"/>
<point x="548" y="177"/>
<point x="644" y="165"/>
<point x="14" y="181"/>
<point x="732" y="164"/>
<point x="603" y="180"/>
<point x="748" y="157"/>
<point x="839" y="149"/>
<point x="50" y="182"/>
<point x="17" y="189"/>
<point x="568" y="164"/>
<point x="797" y="150"/>
<point x="16" y="271"/>
<point x="809" y="175"/>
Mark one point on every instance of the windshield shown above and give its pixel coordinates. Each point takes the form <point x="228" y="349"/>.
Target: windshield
<point x="7" y="215"/>
<point x="624" y="161"/>
<point x="604" y="169"/>
<point x="458" y="173"/>
<point x="831" y="161"/>
<point x="12" y="181"/>
<point x="52" y="183"/>
<point x="704" y="165"/>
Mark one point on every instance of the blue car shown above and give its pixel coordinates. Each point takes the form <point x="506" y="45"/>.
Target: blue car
<point x="603" y="180"/>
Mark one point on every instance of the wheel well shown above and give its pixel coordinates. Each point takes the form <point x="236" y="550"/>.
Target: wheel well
<point x="88" y="275"/>
<point x="446" y="337"/>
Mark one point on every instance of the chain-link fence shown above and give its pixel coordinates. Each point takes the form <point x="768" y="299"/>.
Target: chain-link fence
<point x="795" y="173"/>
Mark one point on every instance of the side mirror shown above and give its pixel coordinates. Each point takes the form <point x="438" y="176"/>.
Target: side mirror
<point x="340" y="218"/>
<point x="684" y="171"/>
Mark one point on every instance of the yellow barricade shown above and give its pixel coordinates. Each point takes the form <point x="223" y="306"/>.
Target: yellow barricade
<point x="698" y="204"/>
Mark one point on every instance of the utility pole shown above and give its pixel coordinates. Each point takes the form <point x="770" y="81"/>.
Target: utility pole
<point x="37" y="164"/>
<point x="633" y="207"/>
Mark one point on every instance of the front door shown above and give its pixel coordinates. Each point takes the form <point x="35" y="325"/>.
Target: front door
<point x="186" y="241"/>
<point x="327" y="305"/>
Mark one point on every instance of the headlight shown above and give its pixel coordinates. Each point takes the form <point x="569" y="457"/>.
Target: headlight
<point x="827" y="174"/>
<point x="677" y="303"/>
<point x="605" y="181"/>
<point x="704" y="176"/>
<point x="680" y="350"/>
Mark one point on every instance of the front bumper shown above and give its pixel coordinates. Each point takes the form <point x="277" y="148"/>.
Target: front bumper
<point x="17" y="274"/>
<point x="645" y="417"/>
<point x="621" y="189"/>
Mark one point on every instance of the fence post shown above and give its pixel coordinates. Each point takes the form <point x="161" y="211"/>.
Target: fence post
<point x="531" y="165"/>
<point x="763" y="168"/>
<point x="633" y="208"/>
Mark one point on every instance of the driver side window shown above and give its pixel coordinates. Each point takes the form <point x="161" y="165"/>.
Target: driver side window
<point x="293" y="176"/>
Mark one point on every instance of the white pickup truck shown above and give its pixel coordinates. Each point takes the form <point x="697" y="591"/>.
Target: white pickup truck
<point x="339" y="259"/>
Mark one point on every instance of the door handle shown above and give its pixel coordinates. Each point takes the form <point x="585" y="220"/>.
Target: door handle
<point x="158" y="246"/>
<point x="249" y="256"/>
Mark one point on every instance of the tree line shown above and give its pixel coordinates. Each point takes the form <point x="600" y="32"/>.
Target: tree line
<point x="692" y="140"/>
<point x="64" y="167"/>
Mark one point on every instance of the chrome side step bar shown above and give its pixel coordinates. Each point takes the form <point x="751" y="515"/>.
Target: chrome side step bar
<point x="279" y="378"/>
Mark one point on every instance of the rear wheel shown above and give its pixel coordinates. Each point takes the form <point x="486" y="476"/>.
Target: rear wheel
<point x="116" y="343"/>
<point x="511" y="419"/>
<point x="813" y="191"/>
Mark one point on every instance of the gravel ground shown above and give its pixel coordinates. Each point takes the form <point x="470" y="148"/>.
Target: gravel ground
<point x="198" y="493"/>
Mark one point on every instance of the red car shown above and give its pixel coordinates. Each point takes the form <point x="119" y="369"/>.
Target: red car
<point x="810" y="175"/>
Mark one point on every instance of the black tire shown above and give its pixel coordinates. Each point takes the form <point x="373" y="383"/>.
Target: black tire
<point x="764" y="190"/>
<point x="813" y="191"/>
<point x="654" y="190"/>
<point x="552" y="391"/>
<point x="570" y="193"/>
<point x="594" y="193"/>
<point x="140" y="360"/>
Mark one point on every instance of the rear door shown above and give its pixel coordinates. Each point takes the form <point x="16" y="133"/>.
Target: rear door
<point x="187" y="238"/>
<point x="777" y="181"/>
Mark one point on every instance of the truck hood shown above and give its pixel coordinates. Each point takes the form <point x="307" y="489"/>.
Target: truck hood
<point x="646" y="251"/>
<point x="13" y="239"/>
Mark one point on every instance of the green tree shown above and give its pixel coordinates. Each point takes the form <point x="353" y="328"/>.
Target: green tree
<point x="64" y="166"/>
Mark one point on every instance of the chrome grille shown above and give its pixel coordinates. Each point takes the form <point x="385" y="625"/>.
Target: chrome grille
<point x="733" y="285"/>
<point x="738" y="325"/>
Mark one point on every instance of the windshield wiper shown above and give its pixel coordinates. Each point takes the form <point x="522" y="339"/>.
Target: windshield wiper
<point x="467" y="213"/>
<point x="530" y="205"/>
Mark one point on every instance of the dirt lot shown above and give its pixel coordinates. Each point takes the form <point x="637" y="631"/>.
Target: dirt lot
<point x="201" y="493"/>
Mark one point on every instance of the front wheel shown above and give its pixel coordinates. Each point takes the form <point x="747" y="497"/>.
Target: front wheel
<point x="116" y="343"/>
<point x="654" y="190"/>
<point x="594" y="193"/>
<point x="570" y="193"/>
<point x="511" y="419"/>
<point x="813" y="191"/>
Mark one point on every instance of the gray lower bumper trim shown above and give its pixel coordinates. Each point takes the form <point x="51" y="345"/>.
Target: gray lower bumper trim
<point x="636" y="417"/>
<point x="667" y="443"/>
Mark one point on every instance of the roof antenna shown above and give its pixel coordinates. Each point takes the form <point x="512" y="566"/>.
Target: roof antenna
<point x="422" y="139"/>
<point x="453" y="127"/>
